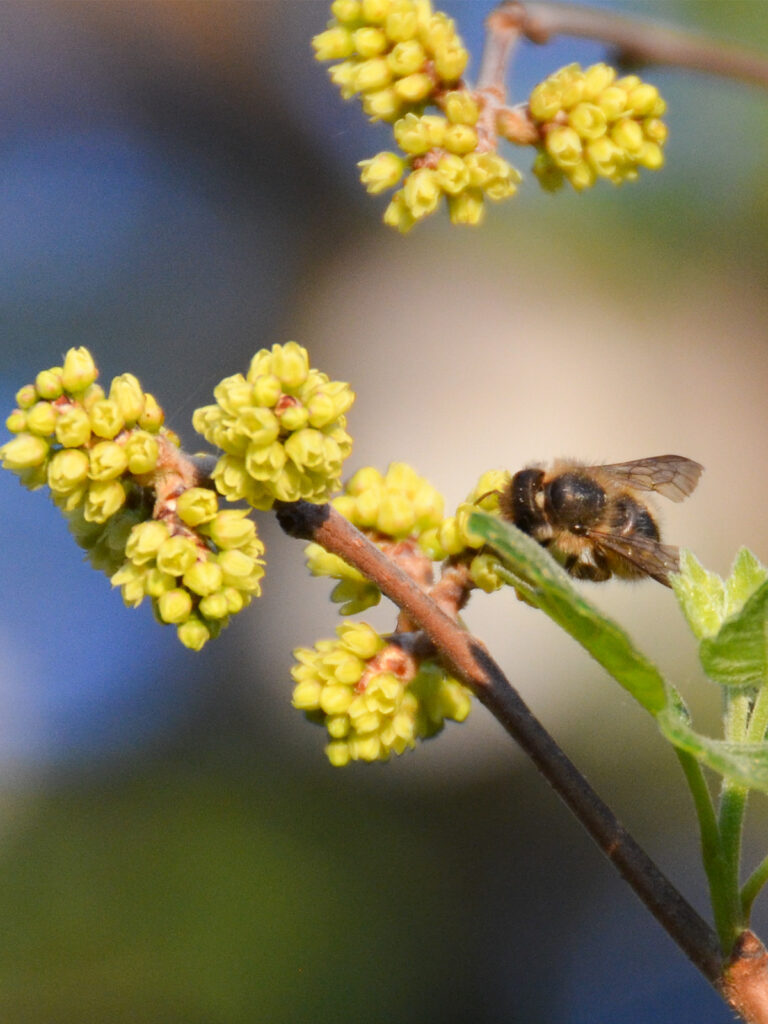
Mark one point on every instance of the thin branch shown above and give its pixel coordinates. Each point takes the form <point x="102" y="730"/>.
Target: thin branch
<point x="467" y="658"/>
<point x="636" y="42"/>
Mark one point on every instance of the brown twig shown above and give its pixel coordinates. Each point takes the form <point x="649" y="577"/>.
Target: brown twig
<point x="636" y="42"/>
<point x="467" y="658"/>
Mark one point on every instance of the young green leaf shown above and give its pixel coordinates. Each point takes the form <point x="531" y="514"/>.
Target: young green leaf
<point x="700" y="594"/>
<point x="541" y="582"/>
<point x="744" y="763"/>
<point x="738" y="654"/>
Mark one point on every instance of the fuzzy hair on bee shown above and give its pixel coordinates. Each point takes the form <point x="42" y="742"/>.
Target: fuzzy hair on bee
<point x="597" y="521"/>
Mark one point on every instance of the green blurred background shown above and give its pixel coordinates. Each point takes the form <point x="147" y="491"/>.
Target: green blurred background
<point x="178" y="190"/>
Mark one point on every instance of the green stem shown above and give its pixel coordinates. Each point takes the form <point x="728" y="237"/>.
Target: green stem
<point x="733" y="805"/>
<point x="758" y="719"/>
<point x="711" y="848"/>
<point x="752" y="887"/>
<point x="758" y="723"/>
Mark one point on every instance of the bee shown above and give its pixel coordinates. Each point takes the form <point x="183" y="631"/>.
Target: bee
<point x="596" y="520"/>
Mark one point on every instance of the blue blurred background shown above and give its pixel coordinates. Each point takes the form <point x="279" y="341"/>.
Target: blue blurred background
<point x="178" y="190"/>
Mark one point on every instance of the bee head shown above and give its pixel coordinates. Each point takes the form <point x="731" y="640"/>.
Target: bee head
<point x="523" y="501"/>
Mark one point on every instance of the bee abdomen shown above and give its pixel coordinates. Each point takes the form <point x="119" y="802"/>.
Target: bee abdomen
<point x="630" y="517"/>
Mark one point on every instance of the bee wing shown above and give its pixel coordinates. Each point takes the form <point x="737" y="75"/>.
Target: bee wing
<point x="644" y="553"/>
<point x="673" y="476"/>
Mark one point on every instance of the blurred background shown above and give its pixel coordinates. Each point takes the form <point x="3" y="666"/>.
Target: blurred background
<point x="179" y="189"/>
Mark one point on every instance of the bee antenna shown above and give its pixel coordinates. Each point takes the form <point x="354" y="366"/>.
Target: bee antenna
<point x="486" y="495"/>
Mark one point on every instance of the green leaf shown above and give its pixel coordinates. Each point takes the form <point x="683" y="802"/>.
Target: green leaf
<point x="744" y="763"/>
<point x="706" y="600"/>
<point x="746" y="576"/>
<point x="700" y="594"/>
<point x="541" y="582"/>
<point x="738" y="654"/>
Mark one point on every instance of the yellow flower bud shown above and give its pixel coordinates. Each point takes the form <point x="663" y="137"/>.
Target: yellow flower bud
<point x="369" y="41"/>
<point x="106" y="418"/>
<point x="651" y="156"/>
<point x="290" y="363"/>
<point x="48" y="384"/>
<point x="104" y="499"/>
<point x="373" y="74"/>
<point x="16" y="422"/>
<point x="26" y="396"/>
<point x="596" y="80"/>
<point x="588" y="120"/>
<point x="628" y="135"/>
<point x="342" y="76"/>
<point x="338" y="754"/>
<point x="73" y="427"/>
<point x="406" y="58"/>
<point x="41" y="419"/>
<point x="564" y="146"/>
<point x="414" y="88"/>
<point x="396" y="515"/>
<point x="233" y="394"/>
<point x="231" y="528"/>
<point x="452" y="174"/>
<point x="360" y="638"/>
<point x="152" y="416"/>
<point x="375" y="11"/>
<point x="107" y="461"/>
<point x="197" y="505"/>
<point x="67" y="470"/>
<point x="145" y="540"/>
<point x="176" y="554"/>
<point x="335" y="700"/>
<point x="214" y="606"/>
<point x="467" y="207"/>
<point x="451" y="61"/>
<point x="382" y="104"/>
<point x="414" y="135"/>
<point x="460" y="138"/>
<point x="126" y="391"/>
<point x="157" y="583"/>
<point x="335" y="43"/>
<point x="346" y="10"/>
<point x="79" y="370"/>
<point x="612" y="101"/>
<point x="193" y="633"/>
<point x="401" y="24"/>
<point x="203" y="578"/>
<point x="267" y="390"/>
<point x="655" y="130"/>
<point x="24" y="452"/>
<point x="421" y="192"/>
<point x="174" y="606"/>
<point x="582" y="175"/>
<point x="306" y="695"/>
<point x="461" y="108"/>
<point x="142" y="452"/>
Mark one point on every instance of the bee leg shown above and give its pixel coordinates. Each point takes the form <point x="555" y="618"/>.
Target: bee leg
<point x="588" y="565"/>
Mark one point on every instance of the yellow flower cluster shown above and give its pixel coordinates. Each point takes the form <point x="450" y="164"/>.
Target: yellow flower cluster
<point x="371" y="713"/>
<point x="594" y="125"/>
<point x="442" y="159"/>
<point x="199" y="567"/>
<point x="453" y="537"/>
<point x="90" y="447"/>
<point x="388" y="507"/>
<point x="394" y="53"/>
<point x="281" y="427"/>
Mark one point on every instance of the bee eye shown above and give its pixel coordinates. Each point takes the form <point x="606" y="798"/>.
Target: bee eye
<point x="574" y="498"/>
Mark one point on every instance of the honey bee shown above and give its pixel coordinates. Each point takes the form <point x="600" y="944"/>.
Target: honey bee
<point x="595" y="520"/>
